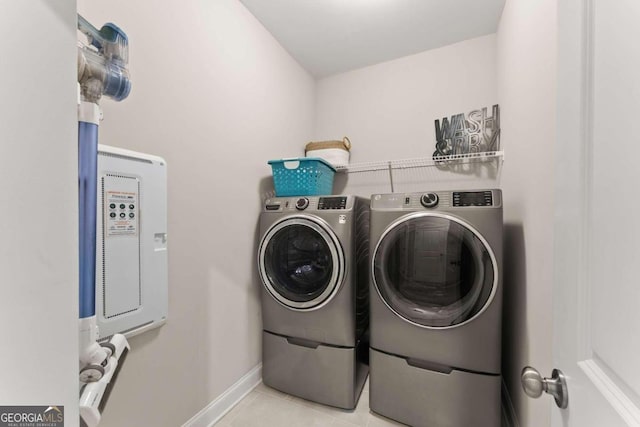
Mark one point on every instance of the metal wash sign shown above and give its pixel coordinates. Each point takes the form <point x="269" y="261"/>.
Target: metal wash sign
<point x="474" y="132"/>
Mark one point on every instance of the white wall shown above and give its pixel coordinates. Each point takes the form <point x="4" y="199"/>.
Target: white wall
<point x="38" y="195"/>
<point x="216" y="96"/>
<point x="527" y="46"/>
<point x="388" y="110"/>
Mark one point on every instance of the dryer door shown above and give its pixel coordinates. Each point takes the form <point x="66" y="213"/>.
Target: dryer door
<point x="434" y="270"/>
<point x="301" y="262"/>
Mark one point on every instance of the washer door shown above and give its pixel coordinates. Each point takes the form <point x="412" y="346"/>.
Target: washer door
<point x="301" y="262"/>
<point x="434" y="270"/>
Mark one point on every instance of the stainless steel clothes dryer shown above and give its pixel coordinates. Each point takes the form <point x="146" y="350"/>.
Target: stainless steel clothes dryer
<point x="313" y="263"/>
<point x="436" y="307"/>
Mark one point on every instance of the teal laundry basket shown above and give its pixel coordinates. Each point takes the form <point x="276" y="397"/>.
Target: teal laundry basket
<point x="303" y="176"/>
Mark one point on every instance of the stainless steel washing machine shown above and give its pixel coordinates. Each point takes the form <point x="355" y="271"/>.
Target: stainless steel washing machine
<point x="436" y="307"/>
<point x="313" y="263"/>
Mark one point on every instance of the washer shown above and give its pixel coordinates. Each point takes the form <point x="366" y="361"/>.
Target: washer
<point x="313" y="263"/>
<point x="436" y="307"/>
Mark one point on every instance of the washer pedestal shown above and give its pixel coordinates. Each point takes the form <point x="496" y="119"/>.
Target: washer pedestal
<point x="425" y="398"/>
<point x="329" y="375"/>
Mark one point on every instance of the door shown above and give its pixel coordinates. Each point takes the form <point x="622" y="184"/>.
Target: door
<point x="597" y="231"/>
<point x="434" y="270"/>
<point x="301" y="262"/>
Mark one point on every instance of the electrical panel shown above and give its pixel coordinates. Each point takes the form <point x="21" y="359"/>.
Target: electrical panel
<point x="131" y="242"/>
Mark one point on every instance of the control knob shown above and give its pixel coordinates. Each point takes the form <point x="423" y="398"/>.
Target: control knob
<point x="302" y="203"/>
<point x="429" y="200"/>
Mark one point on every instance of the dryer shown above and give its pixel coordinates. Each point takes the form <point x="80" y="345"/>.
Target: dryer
<point x="313" y="263"/>
<point x="436" y="307"/>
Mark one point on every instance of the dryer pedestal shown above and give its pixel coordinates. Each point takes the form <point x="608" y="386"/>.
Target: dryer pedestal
<point x="420" y="397"/>
<point x="332" y="376"/>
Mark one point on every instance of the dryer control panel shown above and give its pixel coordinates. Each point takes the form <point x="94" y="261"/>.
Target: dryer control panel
<point x="437" y="200"/>
<point x="473" y="198"/>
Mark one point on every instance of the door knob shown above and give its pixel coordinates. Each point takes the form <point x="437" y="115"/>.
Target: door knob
<point x="534" y="384"/>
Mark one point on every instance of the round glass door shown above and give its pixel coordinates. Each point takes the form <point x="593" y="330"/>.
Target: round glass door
<point x="301" y="263"/>
<point x="433" y="270"/>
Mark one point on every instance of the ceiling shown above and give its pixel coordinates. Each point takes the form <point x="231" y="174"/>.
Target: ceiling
<point x="332" y="36"/>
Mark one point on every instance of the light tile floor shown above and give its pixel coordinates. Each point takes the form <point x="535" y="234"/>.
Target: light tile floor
<point x="266" y="407"/>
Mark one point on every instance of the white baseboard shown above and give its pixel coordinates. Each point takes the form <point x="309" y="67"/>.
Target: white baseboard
<point x="508" y="412"/>
<point x="218" y="408"/>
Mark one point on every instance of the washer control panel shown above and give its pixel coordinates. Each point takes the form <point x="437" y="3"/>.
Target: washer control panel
<point x="332" y="203"/>
<point x="308" y="203"/>
<point x="302" y="203"/>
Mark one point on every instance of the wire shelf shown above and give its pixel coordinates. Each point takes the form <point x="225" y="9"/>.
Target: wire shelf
<point x="464" y="170"/>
